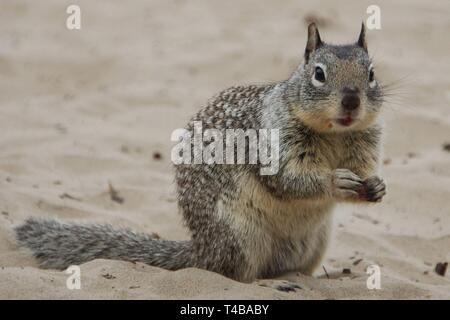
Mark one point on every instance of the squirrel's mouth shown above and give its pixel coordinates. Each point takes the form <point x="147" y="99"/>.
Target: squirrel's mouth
<point x="346" y="121"/>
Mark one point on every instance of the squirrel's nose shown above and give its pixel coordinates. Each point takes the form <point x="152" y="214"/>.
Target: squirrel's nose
<point x="350" y="101"/>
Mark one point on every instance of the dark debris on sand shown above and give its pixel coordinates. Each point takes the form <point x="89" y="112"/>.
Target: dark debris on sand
<point x="446" y="146"/>
<point x="441" y="268"/>
<point x="114" y="194"/>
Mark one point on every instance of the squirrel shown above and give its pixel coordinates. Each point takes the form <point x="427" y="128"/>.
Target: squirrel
<point x="245" y="225"/>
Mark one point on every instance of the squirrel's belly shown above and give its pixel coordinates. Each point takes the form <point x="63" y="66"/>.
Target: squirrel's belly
<point x="282" y="217"/>
<point x="276" y="234"/>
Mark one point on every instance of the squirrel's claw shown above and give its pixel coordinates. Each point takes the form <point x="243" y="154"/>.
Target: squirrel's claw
<point x="346" y="184"/>
<point x="373" y="189"/>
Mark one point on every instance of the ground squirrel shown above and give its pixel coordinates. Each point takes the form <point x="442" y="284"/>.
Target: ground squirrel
<point x="245" y="225"/>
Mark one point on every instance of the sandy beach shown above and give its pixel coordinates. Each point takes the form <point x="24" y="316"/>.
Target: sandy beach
<point x="82" y="110"/>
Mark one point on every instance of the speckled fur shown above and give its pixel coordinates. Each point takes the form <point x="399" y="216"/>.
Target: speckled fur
<point x="245" y="225"/>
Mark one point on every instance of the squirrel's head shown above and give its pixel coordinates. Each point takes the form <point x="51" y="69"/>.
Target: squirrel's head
<point x="336" y="85"/>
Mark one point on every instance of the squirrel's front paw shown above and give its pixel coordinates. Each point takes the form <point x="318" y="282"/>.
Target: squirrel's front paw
<point x="373" y="189"/>
<point x="346" y="184"/>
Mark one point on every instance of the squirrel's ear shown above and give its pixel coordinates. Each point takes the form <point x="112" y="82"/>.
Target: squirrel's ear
<point x="314" y="41"/>
<point x="362" y="38"/>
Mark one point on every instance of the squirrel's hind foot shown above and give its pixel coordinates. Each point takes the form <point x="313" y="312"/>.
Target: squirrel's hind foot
<point x="280" y="285"/>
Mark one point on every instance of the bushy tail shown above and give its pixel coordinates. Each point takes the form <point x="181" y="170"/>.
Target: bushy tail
<point x="58" y="245"/>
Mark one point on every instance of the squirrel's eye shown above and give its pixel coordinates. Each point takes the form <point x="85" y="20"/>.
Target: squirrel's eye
<point x="319" y="75"/>
<point x="371" y="76"/>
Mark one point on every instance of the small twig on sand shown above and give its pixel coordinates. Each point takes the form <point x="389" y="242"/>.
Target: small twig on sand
<point x="68" y="196"/>
<point x="326" y="273"/>
<point x="356" y="262"/>
<point x="114" y="194"/>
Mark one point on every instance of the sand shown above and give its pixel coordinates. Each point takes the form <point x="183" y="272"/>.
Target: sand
<point x="81" y="109"/>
